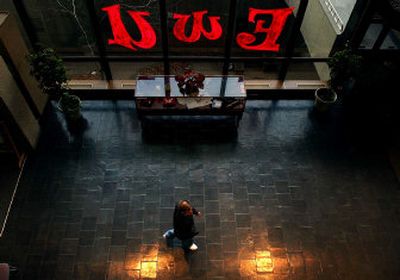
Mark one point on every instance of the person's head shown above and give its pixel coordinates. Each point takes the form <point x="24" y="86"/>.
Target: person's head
<point x="185" y="208"/>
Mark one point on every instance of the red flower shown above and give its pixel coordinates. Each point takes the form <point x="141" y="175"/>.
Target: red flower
<point x="190" y="81"/>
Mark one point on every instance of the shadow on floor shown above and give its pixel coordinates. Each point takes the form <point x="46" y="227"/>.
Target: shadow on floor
<point x="187" y="130"/>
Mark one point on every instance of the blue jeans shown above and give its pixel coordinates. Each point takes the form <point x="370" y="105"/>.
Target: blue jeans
<point x="186" y="243"/>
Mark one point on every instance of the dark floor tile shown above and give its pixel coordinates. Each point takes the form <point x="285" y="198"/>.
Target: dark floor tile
<point x="215" y="268"/>
<point x="212" y="220"/>
<point x="211" y="207"/>
<point x="69" y="246"/>
<point x="211" y="193"/>
<point x="214" y="252"/>
<point x="167" y="201"/>
<point x="81" y="271"/>
<point x="197" y="200"/>
<point x="117" y="253"/>
<point x="105" y="216"/>
<point x="151" y="236"/>
<point x="166" y="215"/>
<point x="229" y="243"/>
<point x="89" y="223"/>
<point x="241" y="206"/>
<point x="243" y="220"/>
<point x="197" y="188"/>
<point x="65" y="263"/>
<point x="118" y="237"/>
<point x="32" y="267"/>
<point x="213" y="235"/>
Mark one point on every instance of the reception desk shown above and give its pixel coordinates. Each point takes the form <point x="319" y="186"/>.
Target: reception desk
<point x="160" y="95"/>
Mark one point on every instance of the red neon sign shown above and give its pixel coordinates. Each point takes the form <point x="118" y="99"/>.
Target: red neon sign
<point x="244" y="40"/>
<point x="121" y="35"/>
<point x="197" y="29"/>
<point x="272" y="33"/>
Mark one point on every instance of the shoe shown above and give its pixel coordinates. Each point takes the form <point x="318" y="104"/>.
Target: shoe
<point x="164" y="235"/>
<point x="193" y="247"/>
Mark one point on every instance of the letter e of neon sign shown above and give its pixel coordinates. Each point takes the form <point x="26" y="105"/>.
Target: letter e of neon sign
<point x="272" y="33"/>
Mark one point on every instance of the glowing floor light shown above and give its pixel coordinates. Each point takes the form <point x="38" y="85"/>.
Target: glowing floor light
<point x="148" y="270"/>
<point x="264" y="262"/>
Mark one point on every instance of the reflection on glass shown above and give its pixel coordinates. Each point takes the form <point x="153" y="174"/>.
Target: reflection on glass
<point x="373" y="31"/>
<point x="153" y="86"/>
<point x="256" y="70"/>
<point x="83" y="71"/>
<point x="207" y="68"/>
<point x="130" y="70"/>
<point x="303" y="71"/>
<point x="197" y="27"/>
<point x="338" y="12"/>
<point x="392" y="41"/>
<point x="63" y="25"/>
<point x="256" y="22"/>
<point x="130" y="28"/>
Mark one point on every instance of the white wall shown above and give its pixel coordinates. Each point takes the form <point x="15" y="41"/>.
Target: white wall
<point x="17" y="105"/>
<point x="11" y="37"/>
<point x="8" y="6"/>
<point x="319" y="35"/>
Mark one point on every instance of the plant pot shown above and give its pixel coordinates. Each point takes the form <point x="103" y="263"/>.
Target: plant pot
<point x="191" y="91"/>
<point x="70" y="105"/>
<point x="324" y="98"/>
<point x="73" y="115"/>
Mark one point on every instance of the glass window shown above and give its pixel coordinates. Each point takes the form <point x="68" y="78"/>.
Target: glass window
<point x="130" y="70"/>
<point x="308" y="71"/>
<point x="262" y="15"/>
<point x="213" y="86"/>
<point x="256" y="70"/>
<point x="83" y="71"/>
<point x="63" y="25"/>
<point x="392" y="41"/>
<point x="317" y="35"/>
<point x="206" y="68"/>
<point x="295" y="4"/>
<point x="373" y="31"/>
<point x="130" y="27"/>
<point x="197" y="27"/>
<point x="338" y="12"/>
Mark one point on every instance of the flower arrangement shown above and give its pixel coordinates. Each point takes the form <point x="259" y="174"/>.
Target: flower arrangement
<point x="190" y="82"/>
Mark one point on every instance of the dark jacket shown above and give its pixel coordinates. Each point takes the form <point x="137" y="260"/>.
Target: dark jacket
<point x="184" y="227"/>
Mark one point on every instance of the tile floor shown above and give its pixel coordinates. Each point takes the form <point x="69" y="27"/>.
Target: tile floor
<point x="293" y="196"/>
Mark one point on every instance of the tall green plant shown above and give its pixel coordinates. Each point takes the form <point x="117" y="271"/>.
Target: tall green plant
<point x="344" y="65"/>
<point x="48" y="68"/>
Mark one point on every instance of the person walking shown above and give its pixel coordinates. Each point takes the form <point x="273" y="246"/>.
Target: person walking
<point x="184" y="227"/>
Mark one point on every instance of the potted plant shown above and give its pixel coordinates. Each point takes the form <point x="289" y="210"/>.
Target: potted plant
<point x="344" y="67"/>
<point x="190" y="82"/>
<point x="70" y="105"/>
<point x="49" y="69"/>
<point x="324" y="98"/>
